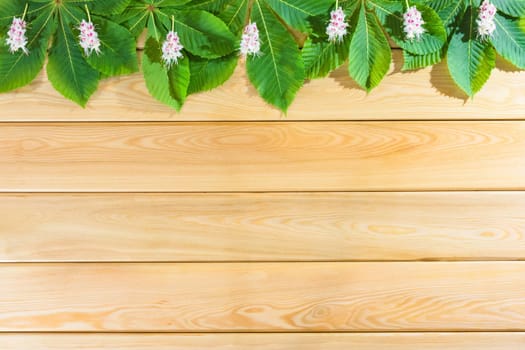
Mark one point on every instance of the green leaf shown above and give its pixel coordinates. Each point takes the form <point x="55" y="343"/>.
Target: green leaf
<point x="235" y="15"/>
<point x="169" y="86"/>
<point x="297" y="12"/>
<point x="19" y="69"/>
<point x="118" y="50"/>
<point x="391" y="15"/>
<point x="203" y="34"/>
<point x="514" y="8"/>
<point x="213" y="6"/>
<point x="134" y="19"/>
<point x="179" y="80"/>
<point x="209" y="74"/>
<point x="413" y="62"/>
<point x="439" y="5"/>
<point x="509" y="39"/>
<point x="170" y="3"/>
<point x="370" y="54"/>
<point x="8" y="10"/>
<point x="470" y="61"/>
<point x="321" y="58"/>
<point x="109" y="7"/>
<point x="451" y="14"/>
<point x="278" y="73"/>
<point x="67" y="70"/>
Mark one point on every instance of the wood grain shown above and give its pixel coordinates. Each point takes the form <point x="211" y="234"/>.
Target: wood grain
<point x="304" y="156"/>
<point x="262" y="227"/>
<point x="240" y="341"/>
<point x="429" y="94"/>
<point x="263" y="297"/>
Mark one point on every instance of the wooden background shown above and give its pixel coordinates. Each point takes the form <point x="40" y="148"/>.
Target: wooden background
<point x="389" y="221"/>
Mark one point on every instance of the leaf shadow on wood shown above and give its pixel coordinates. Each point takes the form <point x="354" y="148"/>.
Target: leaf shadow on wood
<point x="505" y="66"/>
<point x="342" y="77"/>
<point x="444" y="84"/>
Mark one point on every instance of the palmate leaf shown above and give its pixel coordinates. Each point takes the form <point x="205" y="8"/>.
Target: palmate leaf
<point x="67" y="70"/>
<point x="514" y="8"/>
<point x="108" y="7"/>
<point x="235" y="14"/>
<point x="370" y="54"/>
<point x="208" y="74"/>
<point x="450" y="13"/>
<point x="509" y="39"/>
<point x="19" y="69"/>
<point x="203" y="34"/>
<point x="470" y="60"/>
<point x="278" y="72"/>
<point x="118" y="53"/>
<point x="169" y="86"/>
<point x="297" y="12"/>
<point x="9" y="9"/>
<point x="321" y="58"/>
<point x="413" y="62"/>
<point x="214" y="6"/>
<point x="391" y="15"/>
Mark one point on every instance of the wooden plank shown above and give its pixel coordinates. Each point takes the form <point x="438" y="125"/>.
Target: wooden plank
<point x="262" y="227"/>
<point x="312" y="156"/>
<point x="263" y="297"/>
<point x="240" y="341"/>
<point x="428" y="94"/>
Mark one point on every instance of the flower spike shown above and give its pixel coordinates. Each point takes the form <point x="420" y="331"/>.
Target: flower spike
<point x="16" y="36"/>
<point x="336" y="29"/>
<point x="172" y="48"/>
<point x="250" y="42"/>
<point x="485" y="21"/>
<point x="88" y="36"/>
<point x="413" y="24"/>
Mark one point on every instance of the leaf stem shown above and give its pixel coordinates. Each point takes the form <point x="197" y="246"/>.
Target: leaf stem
<point x="88" y="14"/>
<point x="25" y="11"/>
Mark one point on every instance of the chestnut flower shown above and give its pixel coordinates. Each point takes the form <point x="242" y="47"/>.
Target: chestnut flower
<point x="16" y="36"/>
<point x="336" y="29"/>
<point x="485" y="21"/>
<point x="88" y="37"/>
<point x="413" y="24"/>
<point x="172" y="49"/>
<point x="250" y="42"/>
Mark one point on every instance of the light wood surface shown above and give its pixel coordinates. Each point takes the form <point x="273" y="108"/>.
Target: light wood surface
<point x="240" y="341"/>
<point x="263" y="297"/>
<point x="101" y="246"/>
<point x="306" y="156"/>
<point x="262" y="227"/>
<point x="429" y="94"/>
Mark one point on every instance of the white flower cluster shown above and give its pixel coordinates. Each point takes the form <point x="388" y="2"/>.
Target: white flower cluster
<point x="413" y="23"/>
<point x="172" y="49"/>
<point x="250" y="42"/>
<point x="485" y="21"/>
<point x="88" y="36"/>
<point x="16" y="36"/>
<point x="336" y="29"/>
